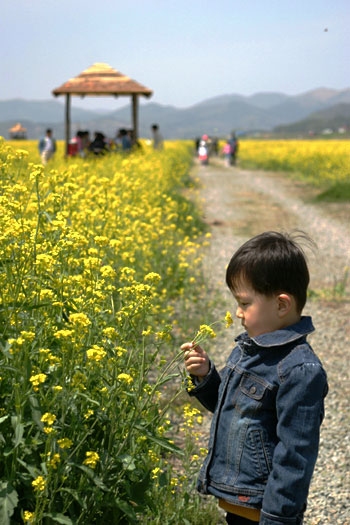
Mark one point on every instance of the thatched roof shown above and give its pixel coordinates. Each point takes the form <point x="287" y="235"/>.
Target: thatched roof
<point x="17" y="128"/>
<point x="102" y="79"/>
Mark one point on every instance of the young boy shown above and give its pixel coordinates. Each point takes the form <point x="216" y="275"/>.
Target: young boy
<point x="268" y="401"/>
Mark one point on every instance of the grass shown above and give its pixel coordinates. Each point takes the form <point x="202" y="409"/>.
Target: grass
<point x="339" y="192"/>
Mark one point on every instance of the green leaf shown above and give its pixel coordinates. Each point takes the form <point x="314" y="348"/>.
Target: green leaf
<point x="8" y="502"/>
<point x="76" y="496"/>
<point x="3" y="418"/>
<point x="92" y="401"/>
<point x="47" y="216"/>
<point x="91" y="474"/>
<point x="59" y="518"/>
<point x="30" y="468"/>
<point x="137" y="491"/>
<point x="163" y="442"/>
<point x="36" y="412"/>
<point x="128" y="462"/>
<point x="126" y="508"/>
<point x="167" y="378"/>
<point x="18" y="434"/>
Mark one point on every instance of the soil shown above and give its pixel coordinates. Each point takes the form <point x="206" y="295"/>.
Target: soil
<point x="238" y="204"/>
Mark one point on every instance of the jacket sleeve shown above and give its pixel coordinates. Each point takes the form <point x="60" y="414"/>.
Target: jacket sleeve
<point x="300" y="410"/>
<point x="207" y="390"/>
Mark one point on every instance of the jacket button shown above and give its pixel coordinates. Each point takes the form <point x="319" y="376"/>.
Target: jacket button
<point x="252" y="389"/>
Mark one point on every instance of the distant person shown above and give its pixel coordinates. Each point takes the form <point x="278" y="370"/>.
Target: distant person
<point x="196" y="143"/>
<point x="75" y="146"/>
<point x="47" y="147"/>
<point x="85" y="143"/>
<point x="234" y="148"/>
<point x="226" y="150"/>
<point x="203" y="152"/>
<point x="125" y="140"/>
<point x="117" y="141"/>
<point x="158" y="142"/>
<point x="99" y="145"/>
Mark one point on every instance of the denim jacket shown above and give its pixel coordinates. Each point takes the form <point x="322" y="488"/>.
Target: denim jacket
<point x="268" y="405"/>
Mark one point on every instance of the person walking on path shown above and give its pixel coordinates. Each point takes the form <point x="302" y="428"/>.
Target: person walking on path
<point x="268" y="402"/>
<point x="233" y="141"/>
<point x="226" y="150"/>
<point x="47" y="147"/>
<point x="158" y="143"/>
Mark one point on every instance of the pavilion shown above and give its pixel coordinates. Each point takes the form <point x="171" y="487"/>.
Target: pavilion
<point x="101" y="80"/>
<point x="18" y="132"/>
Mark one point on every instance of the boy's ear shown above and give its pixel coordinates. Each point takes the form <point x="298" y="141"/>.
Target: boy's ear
<point x="284" y="304"/>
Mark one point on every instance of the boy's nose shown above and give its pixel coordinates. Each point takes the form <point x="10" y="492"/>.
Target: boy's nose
<point x="239" y="312"/>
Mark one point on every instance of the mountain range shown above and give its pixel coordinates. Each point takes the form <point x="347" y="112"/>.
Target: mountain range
<point x="216" y="116"/>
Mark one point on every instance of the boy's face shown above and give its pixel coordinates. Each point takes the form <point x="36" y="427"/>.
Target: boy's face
<point x="258" y="313"/>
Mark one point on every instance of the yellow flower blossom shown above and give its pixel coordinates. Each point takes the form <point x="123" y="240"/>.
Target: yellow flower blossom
<point x="54" y="461"/>
<point x="228" y="319"/>
<point x="65" y="443"/>
<point x="39" y="484"/>
<point x="37" y="380"/>
<point x="96" y="353"/>
<point x="79" y="319"/>
<point x="88" y="414"/>
<point x="91" y="459"/>
<point x="28" y="516"/>
<point x="125" y="377"/>
<point x="48" y="418"/>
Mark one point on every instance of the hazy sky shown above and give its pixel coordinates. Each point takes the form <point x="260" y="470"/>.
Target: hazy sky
<point x="185" y="50"/>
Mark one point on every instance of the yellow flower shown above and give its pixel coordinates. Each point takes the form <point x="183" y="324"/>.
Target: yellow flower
<point x="80" y="320"/>
<point x="96" y="353"/>
<point x="39" y="484"/>
<point x="53" y="462"/>
<point x="48" y="418"/>
<point x="153" y="277"/>
<point x="28" y="516"/>
<point x="88" y="414"/>
<point x="65" y="443"/>
<point x="63" y="334"/>
<point x="207" y="331"/>
<point x="228" y="319"/>
<point x="155" y="472"/>
<point x="91" y="459"/>
<point x="125" y="377"/>
<point x="36" y="380"/>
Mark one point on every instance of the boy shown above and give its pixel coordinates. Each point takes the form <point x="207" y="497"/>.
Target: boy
<point x="268" y="402"/>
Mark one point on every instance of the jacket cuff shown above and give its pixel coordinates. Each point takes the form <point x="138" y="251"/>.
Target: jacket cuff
<point x="207" y="390"/>
<point x="196" y="386"/>
<point x="270" y="519"/>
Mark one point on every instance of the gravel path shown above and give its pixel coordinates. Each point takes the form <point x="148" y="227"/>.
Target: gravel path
<point x="239" y="204"/>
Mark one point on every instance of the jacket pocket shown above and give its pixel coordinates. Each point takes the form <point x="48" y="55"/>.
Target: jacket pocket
<point x="252" y="388"/>
<point x="257" y="449"/>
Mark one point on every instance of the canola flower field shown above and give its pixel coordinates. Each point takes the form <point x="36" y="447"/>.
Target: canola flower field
<point x="319" y="162"/>
<point x="96" y="256"/>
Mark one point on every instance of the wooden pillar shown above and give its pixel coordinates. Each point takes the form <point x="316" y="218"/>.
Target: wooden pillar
<point x="135" y="123"/>
<point x="67" y="124"/>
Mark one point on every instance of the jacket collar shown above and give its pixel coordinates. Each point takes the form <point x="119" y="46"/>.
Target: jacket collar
<point x="280" y="337"/>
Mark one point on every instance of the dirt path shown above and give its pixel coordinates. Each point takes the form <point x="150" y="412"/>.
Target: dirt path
<point x="238" y="204"/>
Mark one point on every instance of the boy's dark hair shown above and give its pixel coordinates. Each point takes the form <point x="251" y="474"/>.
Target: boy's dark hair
<point x="271" y="263"/>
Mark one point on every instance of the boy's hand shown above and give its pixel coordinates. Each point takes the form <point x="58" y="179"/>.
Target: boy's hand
<point x="196" y="360"/>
